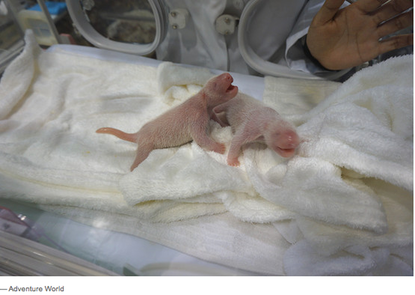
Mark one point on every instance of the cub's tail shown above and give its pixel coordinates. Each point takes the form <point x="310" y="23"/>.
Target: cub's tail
<point x="118" y="133"/>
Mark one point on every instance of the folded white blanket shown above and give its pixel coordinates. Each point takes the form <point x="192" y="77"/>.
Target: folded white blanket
<point x="342" y="205"/>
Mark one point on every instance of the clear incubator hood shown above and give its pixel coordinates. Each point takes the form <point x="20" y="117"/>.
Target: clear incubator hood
<point x="223" y="35"/>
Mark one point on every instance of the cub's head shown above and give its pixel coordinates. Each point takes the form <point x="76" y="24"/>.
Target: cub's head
<point x="219" y="89"/>
<point x="282" y="138"/>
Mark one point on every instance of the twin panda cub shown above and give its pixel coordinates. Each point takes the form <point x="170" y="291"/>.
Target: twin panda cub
<point x="250" y="120"/>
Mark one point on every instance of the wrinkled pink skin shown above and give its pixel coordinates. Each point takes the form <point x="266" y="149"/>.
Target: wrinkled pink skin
<point x="252" y="121"/>
<point x="182" y="124"/>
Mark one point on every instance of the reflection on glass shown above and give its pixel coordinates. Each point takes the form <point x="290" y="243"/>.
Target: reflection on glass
<point x="9" y="30"/>
<point x="11" y="36"/>
<point x="129" y="21"/>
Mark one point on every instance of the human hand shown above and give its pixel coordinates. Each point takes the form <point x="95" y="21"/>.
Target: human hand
<point x="345" y="38"/>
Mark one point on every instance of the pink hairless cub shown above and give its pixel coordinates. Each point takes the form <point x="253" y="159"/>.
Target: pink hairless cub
<point x="182" y="124"/>
<point x="252" y="121"/>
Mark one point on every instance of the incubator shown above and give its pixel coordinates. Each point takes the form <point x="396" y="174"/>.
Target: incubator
<point x="224" y="35"/>
<point x="69" y="205"/>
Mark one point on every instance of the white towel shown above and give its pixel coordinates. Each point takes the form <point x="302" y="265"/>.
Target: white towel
<point x="342" y="205"/>
<point x="355" y="168"/>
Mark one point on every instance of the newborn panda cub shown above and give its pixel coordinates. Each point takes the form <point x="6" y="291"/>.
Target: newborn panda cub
<point x="183" y="123"/>
<point x="252" y="121"/>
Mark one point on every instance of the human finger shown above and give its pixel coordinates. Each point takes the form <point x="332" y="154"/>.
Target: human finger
<point x="391" y="9"/>
<point x="369" y="5"/>
<point x="395" y="42"/>
<point x="327" y="11"/>
<point x="396" y="24"/>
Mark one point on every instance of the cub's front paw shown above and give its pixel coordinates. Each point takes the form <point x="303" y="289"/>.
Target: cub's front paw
<point x="220" y="148"/>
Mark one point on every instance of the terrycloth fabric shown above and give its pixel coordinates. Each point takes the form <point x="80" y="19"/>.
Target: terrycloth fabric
<point x="341" y="206"/>
<point x="353" y="174"/>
